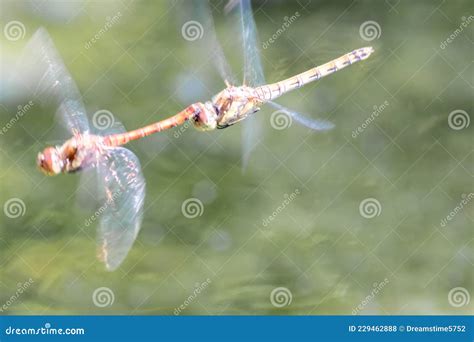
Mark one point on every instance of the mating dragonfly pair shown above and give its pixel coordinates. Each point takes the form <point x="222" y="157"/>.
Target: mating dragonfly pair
<point x="120" y="177"/>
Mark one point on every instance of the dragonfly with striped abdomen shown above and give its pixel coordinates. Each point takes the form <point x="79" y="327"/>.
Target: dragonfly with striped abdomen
<point x="255" y="90"/>
<point x="120" y="178"/>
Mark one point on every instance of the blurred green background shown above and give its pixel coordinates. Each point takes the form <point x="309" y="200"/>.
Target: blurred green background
<point x="320" y="248"/>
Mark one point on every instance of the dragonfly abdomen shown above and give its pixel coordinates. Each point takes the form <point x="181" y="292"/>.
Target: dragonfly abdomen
<point x="122" y="138"/>
<point x="272" y="91"/>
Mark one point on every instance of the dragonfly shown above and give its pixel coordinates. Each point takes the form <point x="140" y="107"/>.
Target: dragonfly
<point x="121" y="185"/>
<point x="255" y="88"/>
<point x="120" y="178"/>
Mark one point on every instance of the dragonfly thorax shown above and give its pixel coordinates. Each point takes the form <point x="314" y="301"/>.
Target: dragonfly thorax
<point x="234" y="104"/>
<point x="226" y="108"/>
<point x="75" y="154"/>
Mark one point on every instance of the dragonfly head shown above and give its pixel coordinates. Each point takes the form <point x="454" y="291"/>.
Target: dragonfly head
<point x="49" y="161"/>
<point x="206" y="118"/>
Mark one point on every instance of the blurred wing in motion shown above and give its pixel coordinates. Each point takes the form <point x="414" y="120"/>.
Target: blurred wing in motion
<point x="314" y="124"/>
<point x="253" y="72"/>
<point x="204" y="16"/>
<point x="253" y="76"/>
<point x="87" y="195"/>
<point x="47" y="79"/>
<point x="104" y="123"/>
<point x="122" y="188"/>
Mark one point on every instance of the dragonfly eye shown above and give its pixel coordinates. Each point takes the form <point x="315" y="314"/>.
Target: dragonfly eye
<point x="206" y="118"/>
<point x="48" y="161"/>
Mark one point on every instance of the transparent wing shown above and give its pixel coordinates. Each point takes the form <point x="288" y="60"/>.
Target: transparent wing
<point x="87" y="195"/>
<point x="253" y="71"/>
<point x="253" y="76"/>
<point x="315" y="124"/>
<point x="48" y="81"/>
<point x="203" y="14"/>
<point x="72" y="116"/>
<point x="104" y="123"/>
<point x="251" y="135"/>
<point x="122" y="188"/>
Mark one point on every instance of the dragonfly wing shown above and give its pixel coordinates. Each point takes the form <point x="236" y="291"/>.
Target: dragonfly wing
<point x="48" y="80"/>
<point x="112" y="124"/>
<point x="251" y="135"/>
<point x="201" y="12"/>
<point x="253" y="76"/>
<point x="315" y="124"/>
<point x="72" y="116"/>
<point x="87" y="192"/>
<point x="122" y="189"/>
<point x="253" y="71"/>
